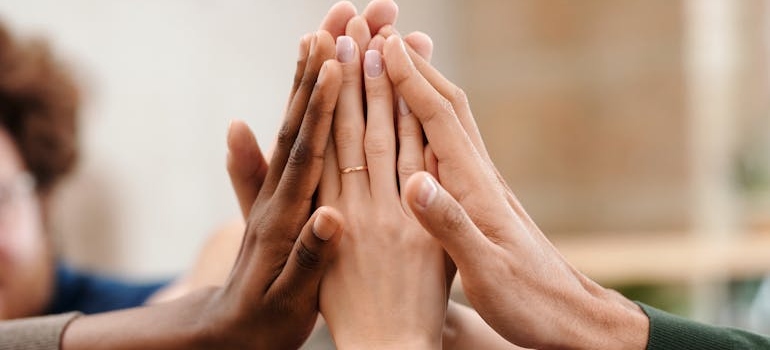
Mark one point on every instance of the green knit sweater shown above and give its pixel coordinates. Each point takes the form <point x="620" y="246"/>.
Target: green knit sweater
<point x="669" y="332"/>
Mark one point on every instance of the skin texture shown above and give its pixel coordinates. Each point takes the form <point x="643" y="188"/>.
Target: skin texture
<point x="498" y="249"/>
<point x="463" y="328"/>
<point x="271" y="297"/>
<point x="391" y="268"/>
<point x="26" y="261"/>
<point x="247" y="166"/>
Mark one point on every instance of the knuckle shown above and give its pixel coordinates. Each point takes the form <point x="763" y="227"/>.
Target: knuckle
<point x="399" y="77"/>
<point x="346" y="136"/>
<point x="303" y="155"/>
<point x="442" y="109"/>
<point x="306" y="81"/>
<point x="376" y="90"/>
<point x="286" y="136"/>
<point x="459" y="97"/>
<point x="376" y="146"/>
<point x="351" y="76"/>
<point x="306" y="258"/>
<point x="409" y="129"/>
<point x="406" y="168"/>
<point x="319" y="104"/>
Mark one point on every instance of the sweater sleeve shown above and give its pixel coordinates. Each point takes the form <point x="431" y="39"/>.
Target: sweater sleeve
<point x="36" y="333"/>
<point x="673" y="332"/>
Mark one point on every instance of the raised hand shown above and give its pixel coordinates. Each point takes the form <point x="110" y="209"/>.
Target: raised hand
<point x="271" y="298"/>
<point x="502" y="256"/>
<point x="387" y="286"/>
<point x="246" y="164"/>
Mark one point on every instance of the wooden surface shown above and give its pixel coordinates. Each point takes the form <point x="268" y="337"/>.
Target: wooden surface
<point x="673" y="258"/>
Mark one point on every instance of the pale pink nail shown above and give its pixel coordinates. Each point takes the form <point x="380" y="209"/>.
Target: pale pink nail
<point x="345" y="49"/>
<point x="373" y="63"/>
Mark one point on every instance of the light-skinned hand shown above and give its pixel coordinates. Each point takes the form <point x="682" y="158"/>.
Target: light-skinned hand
<point x="511" y="273"/>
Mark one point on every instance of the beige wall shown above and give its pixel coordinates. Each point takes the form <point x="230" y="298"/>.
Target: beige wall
<point x="162" y="80"/>
<point x="586" y="107"/>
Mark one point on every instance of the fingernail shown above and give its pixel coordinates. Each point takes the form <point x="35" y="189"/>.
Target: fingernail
<point x="403" y="47"/>
<point x="321" y="73"/>
<point x="428" y="191"/>
<point x="406" y="53"/>
<point x="229" y="127"/>
<point x="345" y="49"/>
<point x="324" y="227"/>
<point x="373" y="63"/>
<point x="403" y="108"/>
<point x="304" y="46"/>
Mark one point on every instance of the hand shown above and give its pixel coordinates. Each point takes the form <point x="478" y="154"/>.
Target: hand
<point x="500" y="253"/>
<point x="387" y="286"/>
<point x="271" y="298"/>
<point x="246" y="165"/>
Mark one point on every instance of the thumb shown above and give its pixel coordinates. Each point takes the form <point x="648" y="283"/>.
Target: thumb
<point x="444" y="218"/>
<point x="245" y="164"/>
<point x="312" y="252"/>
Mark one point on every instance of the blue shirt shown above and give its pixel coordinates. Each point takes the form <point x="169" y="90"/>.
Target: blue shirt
<point x="89" y="293"/>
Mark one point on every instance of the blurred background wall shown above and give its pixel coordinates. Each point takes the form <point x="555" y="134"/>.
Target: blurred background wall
<point x="162" y="79"/>
<point x="635" y="132"/>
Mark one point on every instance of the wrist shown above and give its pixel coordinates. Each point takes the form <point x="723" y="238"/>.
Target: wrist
<point x="171" y="325"/>
<point x="387" y="344"/>
<point x="609" y="321"/>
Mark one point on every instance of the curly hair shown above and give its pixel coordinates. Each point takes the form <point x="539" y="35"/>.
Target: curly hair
<point x="38" y="108"/>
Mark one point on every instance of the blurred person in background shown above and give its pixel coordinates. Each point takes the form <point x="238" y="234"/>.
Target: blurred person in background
<point x="39" y="104"/>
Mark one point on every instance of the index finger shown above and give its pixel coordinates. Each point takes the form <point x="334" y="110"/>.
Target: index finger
<point x="449" y="140"/>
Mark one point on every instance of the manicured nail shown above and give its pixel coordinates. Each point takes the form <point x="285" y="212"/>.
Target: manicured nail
<point x="428" y="191"/>
<point x="373" y="63"/>
<point x="403" y="108"/>
<point x="324" y="227"/>
<point x="345" y="49"/>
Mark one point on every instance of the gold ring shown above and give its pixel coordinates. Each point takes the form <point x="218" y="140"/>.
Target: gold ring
<point x="353" y="169"/>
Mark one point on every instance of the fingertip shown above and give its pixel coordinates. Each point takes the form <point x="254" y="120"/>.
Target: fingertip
<point x="337" y="17"/>
<point x="304" y="46"/>
<point x="327" y="224"/>
<point x="420" y="43"/>
<point x="240" y="139"/>
<point x="380" y="13"/>
<point x="377" y="43"/>
<point x="324" y="37"/>
<point x="345" y="7"/>
<point x="421" y="190"/>
<point x="330" y="73"/>
<point x="388" y="30"/>
<point x="394" y="45"/>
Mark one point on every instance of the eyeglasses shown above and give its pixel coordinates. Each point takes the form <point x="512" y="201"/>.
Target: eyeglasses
<point x="12" y="191"/>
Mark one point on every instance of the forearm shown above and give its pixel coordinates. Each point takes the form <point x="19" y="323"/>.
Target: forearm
<point x="172" y="325"/>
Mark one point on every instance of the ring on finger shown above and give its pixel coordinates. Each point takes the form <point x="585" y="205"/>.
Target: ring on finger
<point x="353" y="169"/>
